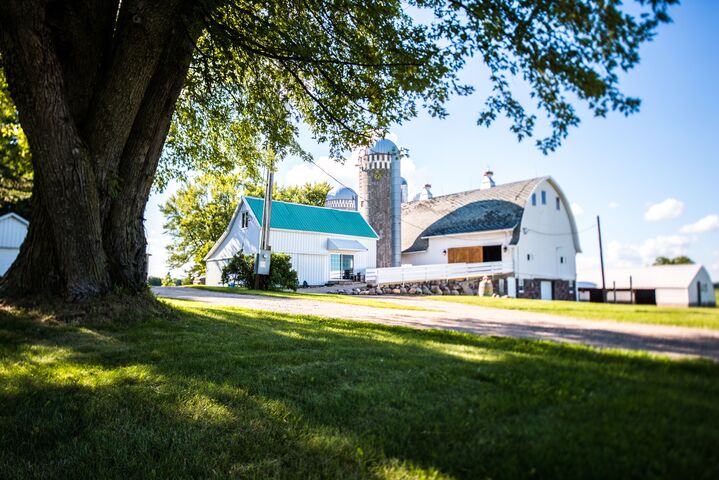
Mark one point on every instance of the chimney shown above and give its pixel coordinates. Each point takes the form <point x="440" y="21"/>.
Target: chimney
<point x="487" y="181"/>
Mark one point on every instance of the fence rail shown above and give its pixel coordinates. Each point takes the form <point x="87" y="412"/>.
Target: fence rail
<point x="425" y="273"/>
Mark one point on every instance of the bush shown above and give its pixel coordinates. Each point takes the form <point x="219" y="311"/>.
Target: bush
<point x="240" y="270"/>
<point x="167" y="281"/>
<point x="154" y="281"/>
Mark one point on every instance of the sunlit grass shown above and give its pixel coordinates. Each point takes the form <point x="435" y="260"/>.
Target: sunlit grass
<point x="320" y="297"/>
<point x="679" y="316"/>
<point x="222" y="392"/>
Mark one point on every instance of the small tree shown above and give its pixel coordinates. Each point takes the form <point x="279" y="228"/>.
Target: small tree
<point x="241" y="270"/>
<point x="167" y="281"/>
<point x="680" y="260"/>
<point x="154" y="281"/>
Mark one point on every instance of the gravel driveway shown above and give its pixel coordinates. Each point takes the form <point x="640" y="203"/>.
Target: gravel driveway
<point x="668" y="340"/>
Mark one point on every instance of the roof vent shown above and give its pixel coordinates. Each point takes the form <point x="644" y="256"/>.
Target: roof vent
<point x="487" y="181"/>
<point x="425" y="193"/>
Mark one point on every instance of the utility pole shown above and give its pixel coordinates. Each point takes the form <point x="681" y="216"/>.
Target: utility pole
<point x="601" y="261"/>
<point x="263" y="257"/>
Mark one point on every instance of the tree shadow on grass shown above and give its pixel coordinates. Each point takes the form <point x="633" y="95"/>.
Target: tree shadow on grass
<point x="252" y="394"/>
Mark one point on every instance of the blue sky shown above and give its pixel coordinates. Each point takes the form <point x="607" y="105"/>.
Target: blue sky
<point x="651" y="176"/>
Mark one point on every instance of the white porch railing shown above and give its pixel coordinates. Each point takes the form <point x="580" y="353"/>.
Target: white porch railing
<point x="443" y="271"/>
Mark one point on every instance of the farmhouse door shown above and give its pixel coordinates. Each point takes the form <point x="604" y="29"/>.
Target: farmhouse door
<point x="465" y="255"/>
<point x="546" y="290"/>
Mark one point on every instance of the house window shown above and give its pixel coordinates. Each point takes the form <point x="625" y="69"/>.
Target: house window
<point x="544" y="197"/>
<point x="530" y="257"/>
<point x="561" y="259"/>
<point x="492" y="253"/>
<point x="341" y="266"/>
<point x="556" y="201"/>
<point x="245" y="220"/>
<point x="534" y="199"/>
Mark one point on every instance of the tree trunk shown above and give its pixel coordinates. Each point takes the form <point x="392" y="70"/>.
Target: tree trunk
<point x="96" y="118"/>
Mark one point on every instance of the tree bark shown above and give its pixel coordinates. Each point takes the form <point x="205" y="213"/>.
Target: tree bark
<point x="95" y="89"/>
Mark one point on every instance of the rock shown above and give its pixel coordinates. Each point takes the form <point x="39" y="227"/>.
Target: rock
<point x="435" y="289"/>
<point x="412" y="290"/>
<point x="454" y="292"/>
<point x="396" y="291"/>
<point x="403" y="291"/>
<point x="426" y="291"/>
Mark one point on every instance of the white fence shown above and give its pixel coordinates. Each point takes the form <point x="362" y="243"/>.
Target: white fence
<point x="443" y="271"/>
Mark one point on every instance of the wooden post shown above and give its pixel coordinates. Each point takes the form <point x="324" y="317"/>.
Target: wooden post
<point x="601" y="260"/>
<point x="631" y="290"/>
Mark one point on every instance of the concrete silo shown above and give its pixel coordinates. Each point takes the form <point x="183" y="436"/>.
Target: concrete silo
<point x="380" y="198"/>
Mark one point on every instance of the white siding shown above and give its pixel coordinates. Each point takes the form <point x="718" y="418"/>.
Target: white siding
<point x="12" y="234"/>
<point x="546" y="235"/>
<point x="308" y="251"/>
<point x="707" y="289"/>
<point x="672" y="297"/>
<point x="435" y="253"/>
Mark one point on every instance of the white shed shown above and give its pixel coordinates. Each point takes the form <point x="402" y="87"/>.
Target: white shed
<point x="324" y="244"/>
<point x="13" y="229"/>
<point x="664" y="285"/>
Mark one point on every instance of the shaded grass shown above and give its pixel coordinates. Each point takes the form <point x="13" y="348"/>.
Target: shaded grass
<point x="321" y="297"/>
<point x="678" y="316"/>
<point x="223" y="392"/>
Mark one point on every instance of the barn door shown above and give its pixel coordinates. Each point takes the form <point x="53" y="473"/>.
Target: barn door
<point x="545" y="290"/>
<point x="465" y="255"/>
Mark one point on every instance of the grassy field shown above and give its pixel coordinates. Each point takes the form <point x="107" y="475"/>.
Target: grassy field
<point x="220" y="392"/>
<point x="686" y="317"/>
<point x="321" y="297"/>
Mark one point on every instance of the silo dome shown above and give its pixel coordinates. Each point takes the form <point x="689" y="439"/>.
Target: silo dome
<point x="384" y="146"/>
<point x="404" y="188"/>
<point x="343" y="198"/>
<point x="425" y="193"/>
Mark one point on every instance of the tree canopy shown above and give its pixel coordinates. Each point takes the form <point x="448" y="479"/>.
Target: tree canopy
<point x="680" y="260"/>
<point x="96" y="85"/>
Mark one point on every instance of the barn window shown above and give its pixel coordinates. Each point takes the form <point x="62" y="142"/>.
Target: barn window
<point x="557" y="202"/>
<point x="530" y="257"/>
<point x="544" y="197"/>
<point x="561" y="259"/>
<point x="245" y="219"/>
<point x="492" y="253"/>
<point x="534" y="199"/>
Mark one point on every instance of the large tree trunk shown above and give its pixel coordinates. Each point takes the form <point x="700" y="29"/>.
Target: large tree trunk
<point x="95" y="89"/>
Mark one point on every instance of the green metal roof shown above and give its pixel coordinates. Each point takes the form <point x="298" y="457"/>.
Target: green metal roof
<point x="307" y="218"/>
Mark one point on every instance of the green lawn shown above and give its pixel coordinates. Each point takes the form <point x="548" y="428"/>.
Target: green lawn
<point x="220" y="392"/>
<point x="321" y="297"/>
<point x="686" y="317"/>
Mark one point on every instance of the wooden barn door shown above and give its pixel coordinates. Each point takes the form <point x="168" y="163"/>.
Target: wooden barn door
<point x="465" y="255"/>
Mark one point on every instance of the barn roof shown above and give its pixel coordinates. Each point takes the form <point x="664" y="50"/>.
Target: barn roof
<point x="656" y="276"/>
<point x="308" y="218"/>
<point x="496" y="208"/>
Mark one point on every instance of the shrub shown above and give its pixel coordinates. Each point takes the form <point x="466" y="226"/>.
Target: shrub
<point x="167" y="281"/>
<point x="240" y="270"/>
<point x="154" y="281"/>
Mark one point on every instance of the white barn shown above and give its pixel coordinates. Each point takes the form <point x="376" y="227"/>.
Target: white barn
<point x="325" y="244"/>
<point x="663" y="285"/>
<point x="13" y="229"/>
<point x="525" y="228"/>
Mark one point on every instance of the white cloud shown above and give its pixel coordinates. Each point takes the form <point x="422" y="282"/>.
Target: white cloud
<point x="628" y="255"/>
<point x="709" y="223"/>
<point x="667" y="209"/>
<point x="347" y="172"/>
<point x="614" y="205"/>
<point x="577" y="209"/>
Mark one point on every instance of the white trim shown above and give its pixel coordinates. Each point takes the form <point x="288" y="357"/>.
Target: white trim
<point x="469" y="234"/>
<point x="16" y="217"/>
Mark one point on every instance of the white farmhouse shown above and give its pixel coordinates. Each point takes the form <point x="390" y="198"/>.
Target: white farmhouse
<point x="13" y="229"/>
<point x="526" y="229"/>
<point x="325" y="244"/>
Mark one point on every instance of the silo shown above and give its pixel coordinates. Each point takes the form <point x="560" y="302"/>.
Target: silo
<point x="380" y="198"/>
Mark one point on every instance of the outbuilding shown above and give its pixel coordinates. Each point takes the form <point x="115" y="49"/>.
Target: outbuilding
<point x="13" y="229"/>
<point x="324" y="244"/>
<point x="663" y="285"/>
